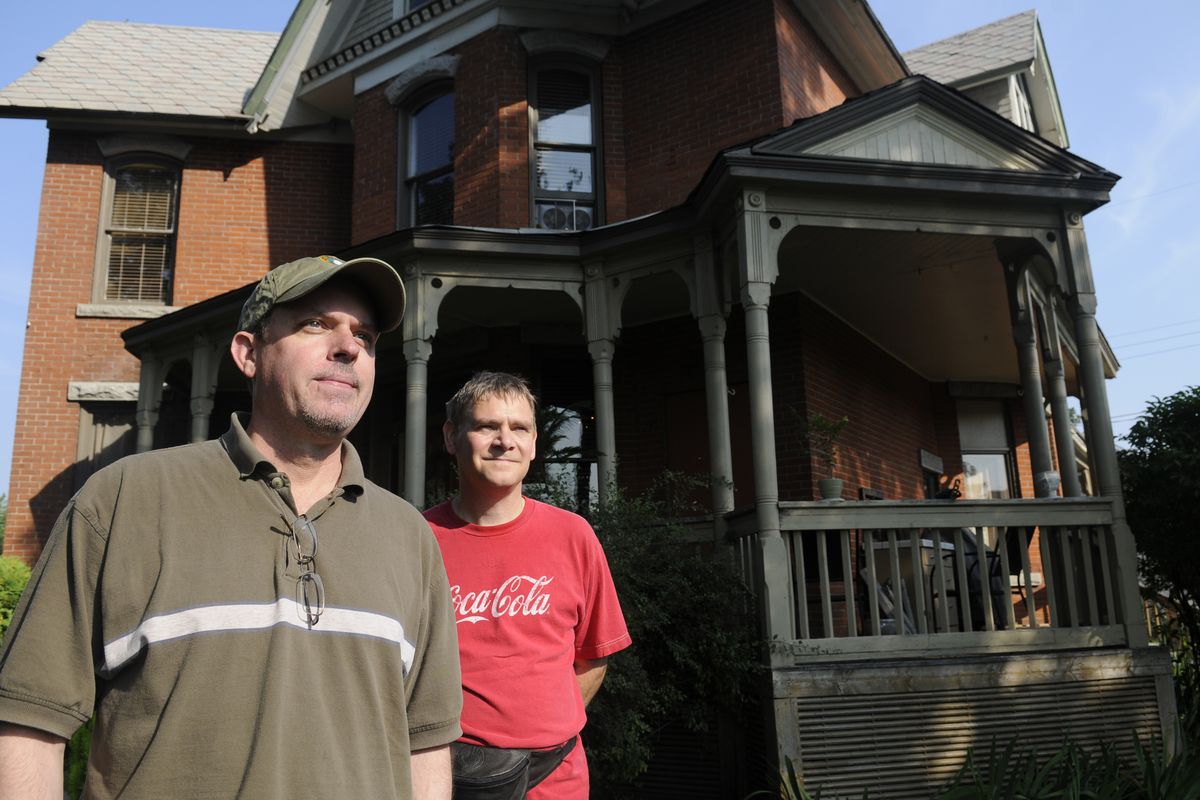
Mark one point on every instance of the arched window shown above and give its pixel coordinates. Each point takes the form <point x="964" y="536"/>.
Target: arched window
<point x="136" y="252"/>
<point x="564" y="132"/>
<point x="430" y="160"/>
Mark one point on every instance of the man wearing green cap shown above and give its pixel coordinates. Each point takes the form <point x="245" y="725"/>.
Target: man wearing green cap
<point x="182" y="597"/>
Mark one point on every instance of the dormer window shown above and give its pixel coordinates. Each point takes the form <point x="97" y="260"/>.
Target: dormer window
<point x="564" y="129"/>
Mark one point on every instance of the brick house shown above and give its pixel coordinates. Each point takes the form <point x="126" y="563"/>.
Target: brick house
<point x="693" y="225"/>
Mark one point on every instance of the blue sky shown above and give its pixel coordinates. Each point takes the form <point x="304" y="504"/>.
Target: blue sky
<point x="1128" y="75"/>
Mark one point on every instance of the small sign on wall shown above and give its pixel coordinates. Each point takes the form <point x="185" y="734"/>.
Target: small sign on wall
<point x="931" y="462"/>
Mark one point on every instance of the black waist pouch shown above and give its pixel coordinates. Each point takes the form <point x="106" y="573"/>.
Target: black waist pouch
<point x="502" y="773"/>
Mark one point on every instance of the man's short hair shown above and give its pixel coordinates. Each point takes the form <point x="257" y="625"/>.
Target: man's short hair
<point x="483" y="385"/>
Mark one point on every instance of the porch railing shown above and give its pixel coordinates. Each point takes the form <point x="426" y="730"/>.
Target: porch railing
<point x="881" y="577"/>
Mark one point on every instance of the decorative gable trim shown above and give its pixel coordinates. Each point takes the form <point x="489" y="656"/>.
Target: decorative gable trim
<point x="397" y="29"/>
<point x="940" y="112"/>
<point x="919" y="135"/>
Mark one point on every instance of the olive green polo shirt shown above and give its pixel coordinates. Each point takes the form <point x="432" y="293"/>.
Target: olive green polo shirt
<point x="166" y="601"/>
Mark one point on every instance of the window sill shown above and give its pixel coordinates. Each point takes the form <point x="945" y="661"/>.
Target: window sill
<point x="123" y="310"/>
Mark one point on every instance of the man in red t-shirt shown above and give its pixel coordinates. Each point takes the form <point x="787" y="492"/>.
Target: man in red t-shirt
<point x="535" y="604"/>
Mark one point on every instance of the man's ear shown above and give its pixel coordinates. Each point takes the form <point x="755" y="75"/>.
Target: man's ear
<point x="244" y="354"/>
<point x="448" y="437"/>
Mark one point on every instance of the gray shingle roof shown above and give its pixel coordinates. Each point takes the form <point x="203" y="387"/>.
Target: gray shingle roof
<point x="151" y="69"/>
<point x="992" y="48"/>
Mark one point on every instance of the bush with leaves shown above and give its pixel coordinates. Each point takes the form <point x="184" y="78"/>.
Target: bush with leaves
<point x="1160" y="476"/>
<point x="687" y="611"/>
<point x="1015" y="772"/>
<point x="3" y="518"/>
<point x="14" y="574"/>
<point x="1012" y="771"/>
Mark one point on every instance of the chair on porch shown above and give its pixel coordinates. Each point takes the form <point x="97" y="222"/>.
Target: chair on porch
<point x="975" y="565"/>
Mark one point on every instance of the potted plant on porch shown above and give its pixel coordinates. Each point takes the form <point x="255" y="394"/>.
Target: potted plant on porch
<point x="821" y="436"/>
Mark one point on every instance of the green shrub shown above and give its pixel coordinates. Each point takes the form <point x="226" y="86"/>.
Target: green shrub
<point x="1014" y="771"/>
<point x="14" y="574"/>
<point x="75" y="762"/>
<point x="692" y="654"/>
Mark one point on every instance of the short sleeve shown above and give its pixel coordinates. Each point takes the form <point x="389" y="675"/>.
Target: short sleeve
<point x="434" y="684"/>
<point x="602" y="629"/>
<point x="47" y="665"/>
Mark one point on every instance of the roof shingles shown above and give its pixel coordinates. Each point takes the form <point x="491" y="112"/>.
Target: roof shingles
<point x="154" y="69"/>
<point x="992" y="48"/>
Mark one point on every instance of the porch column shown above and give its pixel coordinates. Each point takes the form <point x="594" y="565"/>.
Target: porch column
<point x="1045" y="479"/>
<point x="758" y="267"/>
<point x="205" y="360"/>
<point x="149" y="395"/>
<point x="602" y="329"/>
<point x="710" y="308"/>
<point x="716" y="396"/>
<point x="1106" y="473"/>
<point x="1057" y="383"/>
<point x="774" y="584"/>
<point x="416" y="356"/>
<point x="601" y="351"/>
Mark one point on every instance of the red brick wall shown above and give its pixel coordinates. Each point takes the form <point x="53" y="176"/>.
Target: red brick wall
<point x="232" y="194"/>
<point x="892" y="410"/>
<point x="819" y="365"/>
<point x="375" y="166"/>
<point x="246" y="207"/>
<point x="710" y="78"/>
<point x="811" y="80"/>
<point x="1022" y="461"/>
<point x="612" y="109"/>
<point x="491" y="169"/>
<point x="692" y="85"/>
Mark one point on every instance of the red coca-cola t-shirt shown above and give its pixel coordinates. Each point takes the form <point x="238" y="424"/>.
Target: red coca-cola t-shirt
<point x="529" y="596"/>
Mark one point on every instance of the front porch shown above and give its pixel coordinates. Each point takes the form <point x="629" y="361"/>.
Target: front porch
<point x="902" y="634"/>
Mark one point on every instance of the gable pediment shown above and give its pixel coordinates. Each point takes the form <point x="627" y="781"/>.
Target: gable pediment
<point x="919" y="135"/>
<point x="919" y="122"/>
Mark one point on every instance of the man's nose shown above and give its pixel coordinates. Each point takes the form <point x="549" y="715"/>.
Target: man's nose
<point x="346" y="345"/>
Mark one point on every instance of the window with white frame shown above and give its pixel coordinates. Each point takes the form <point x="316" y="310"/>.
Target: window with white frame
<point x="429" y="146"/>
<point x="564" y="156"/>
<point x="136" y="252"/>
<point x="986" y="451"/>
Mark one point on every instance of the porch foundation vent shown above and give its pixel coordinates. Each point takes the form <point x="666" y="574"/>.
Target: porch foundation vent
<point x="911" y="744"/>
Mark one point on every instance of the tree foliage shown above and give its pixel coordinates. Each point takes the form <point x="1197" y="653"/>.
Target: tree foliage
<point x="1160" y="475"/>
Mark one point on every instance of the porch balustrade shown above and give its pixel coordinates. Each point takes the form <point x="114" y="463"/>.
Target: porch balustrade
<point x="879" y="578"/>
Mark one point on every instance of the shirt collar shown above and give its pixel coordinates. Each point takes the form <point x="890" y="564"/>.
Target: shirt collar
<point x="251" y="463"/>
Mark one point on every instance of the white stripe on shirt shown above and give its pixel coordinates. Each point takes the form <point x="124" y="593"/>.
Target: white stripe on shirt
<point x="251" y="617"/>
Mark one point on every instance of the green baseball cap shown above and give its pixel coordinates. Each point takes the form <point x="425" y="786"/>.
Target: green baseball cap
<point x="295" y="279"/>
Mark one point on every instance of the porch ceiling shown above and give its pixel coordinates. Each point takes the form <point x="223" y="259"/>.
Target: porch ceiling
<point x="937" y="302"/>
